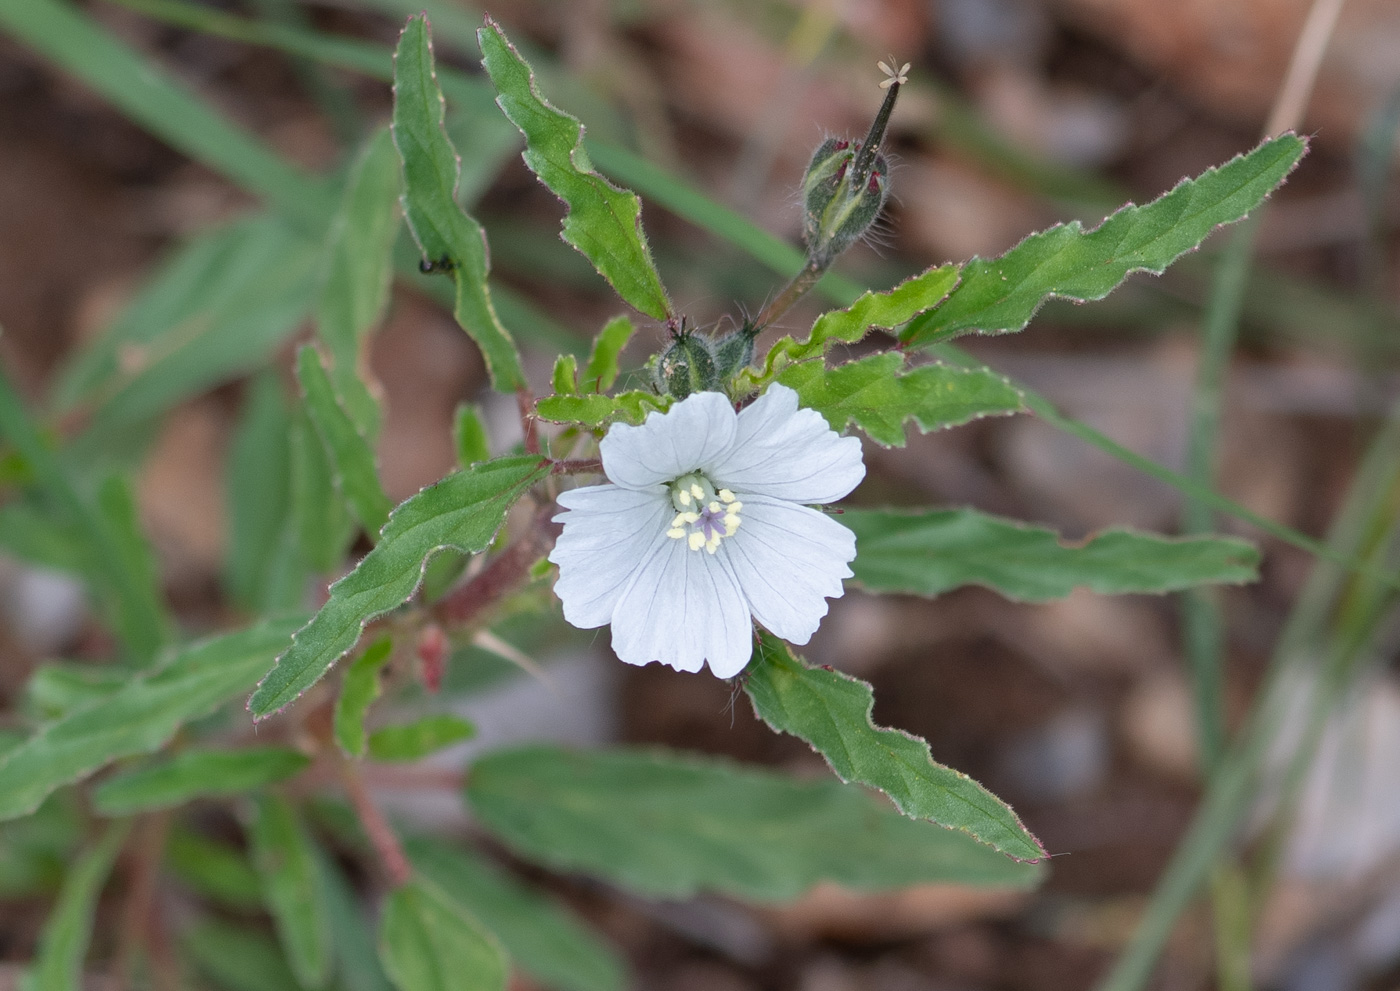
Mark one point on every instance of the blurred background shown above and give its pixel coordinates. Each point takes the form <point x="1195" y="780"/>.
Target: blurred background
<point x="1019" y="114"/>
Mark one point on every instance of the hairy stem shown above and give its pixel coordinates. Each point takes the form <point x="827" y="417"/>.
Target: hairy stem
<point x="505" y="574"/>
<point x="381" y="834"/>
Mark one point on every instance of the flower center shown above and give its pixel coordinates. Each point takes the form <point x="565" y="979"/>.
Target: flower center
<point x="704" y="516"/>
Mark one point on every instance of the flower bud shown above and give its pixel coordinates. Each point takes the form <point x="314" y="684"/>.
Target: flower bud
<point x="687" y="365"/>
<point x="841" y="202"/>
<point x="734" y="352"/>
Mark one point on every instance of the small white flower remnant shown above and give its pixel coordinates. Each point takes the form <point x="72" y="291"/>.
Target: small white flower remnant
<point x="895" y="75"/>
<point x="705" y="525"/>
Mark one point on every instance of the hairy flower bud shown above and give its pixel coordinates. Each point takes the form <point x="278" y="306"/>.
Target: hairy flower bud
<point x="687" y="365"/>
<point x="734" y="351"/>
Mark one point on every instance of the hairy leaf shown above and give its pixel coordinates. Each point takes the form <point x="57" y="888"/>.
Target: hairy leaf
<point x="58" y="965"/>
<point x="140" y="717"/>
<point x="358" y="692"/>
<point x="56" y="689"/>
<point x="598" y="411"/>
<point x="469" y="436"/>
<point x="286" y="862"/>
<point x="880" y="399"/>
<point x="601" y="371"/>
<point x="319" y="520"/>
<point x="351" y="457"/>
<point x="831" y="711"/>
<point x="886" y="310"/>
<point x="930" y="552"/>
<point x="553" y="946"/>
<point x="603" y="222"/>
<point x="445" y="233"/>
<point x="194" y="774"/>
<point x="670" y="825"/>
<point x="1002" y="294"/>
<point x="358" y="269"/>
<point x="464" y="511"/>
<point x="415" y="740"/>
<point x="427" y="943"/>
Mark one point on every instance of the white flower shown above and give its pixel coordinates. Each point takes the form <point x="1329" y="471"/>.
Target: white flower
<point x="706" y="524"/>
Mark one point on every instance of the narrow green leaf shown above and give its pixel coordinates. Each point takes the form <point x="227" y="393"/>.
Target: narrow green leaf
<point x="469" y="436"/>
<point x="156" y="100"/>
<point x="444" y="232"/>
<point x="36" y="852"/>
<point x="670" y="825"/>
<point x="357" y="693"/>
<point x="238" y="958"/>
<point x="135" y="559"/>
<point x="56" y="689"/>
<point x="565" y="376"/>
<point x="831" y="711"/>
<point x="35" y="536"/>
<point x="1002" y="294"/>
<point x="411" y="741"/>
<point x="351" y="457"/>
<point x="197" y="774"/>
<point x="603" y="222"/>
<point x="598" y="411"/>
<point x="886" y="310"/>
<point x="601" y="371"/>
<point x="140" y="717"/>
<point x="319" y="520"/>
<point x="285" y="860"/>
<point x="464" y="511"/>
<point x="215" y="870"/>
<point x="357" y="965"/>
<point x="58" y="965"/>
<point x="358" y="270"/>
<point x="136" y="610"/>
<point x="880" y="399"/>
<point x="926" y="553"/>
<point x="264" y="569"/>
<point x="220" y="307"/>
<point x="427" y="943"/>
<point x="546" y="940"/>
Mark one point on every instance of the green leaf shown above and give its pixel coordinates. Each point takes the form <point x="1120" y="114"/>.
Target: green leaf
<point x="356" y="962"/>
<point x="152" y="96"/>
<point x="139" y="718"/>
<point x="238" y="958"/>
<point x="285" y="860"/>
<point x="134" y="558"/>
<point x="601" y="371"/>
<point x="221" y="306"/>
<point x="56" y="689"/>
<point x="831" y="711"/>
<point x="443" y="231"/>
<point x="351" y="457"/>
<point x="886" y="310"/>
<point x="215" y="870"/>
<point x="880" y="399"/>
<point x="670" y="825"/>
<point x="58" y="965"/>
<point x="36" y="537"/>
<point x="597" y="411"/>
<point x="319" y="520"/>
<point x="359" y="268"/>
<point x="469" y="436"/>
<point x="603" y="222"/>
<point x="264" y="569"/>
<point x="464" y="511"/>
<point x="197" y="774"/>
<point x="565" y="377"/>
<point x="1002" y="294"/>
<point x="547" y="941"/>
<point x="411" y="741"/>
<point x="38" y="850"/>
<point x="357" y="693"/>
<point x="925" y="553"/>
<point x="427" y="943"/>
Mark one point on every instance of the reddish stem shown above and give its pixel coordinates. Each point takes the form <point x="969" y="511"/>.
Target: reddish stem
<point x="582" y="466"/>
<point x="526" y="402"/>
<point x="381" y="834"/>
<point x="506" y="573"/>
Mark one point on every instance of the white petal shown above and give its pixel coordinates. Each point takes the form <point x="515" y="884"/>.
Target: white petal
<point x="689" y="436"/>
<point x="789" y="560"/>
<point x="790" y="453"/>
<point x="683" y="608"/>
<point x="607" y="531"/>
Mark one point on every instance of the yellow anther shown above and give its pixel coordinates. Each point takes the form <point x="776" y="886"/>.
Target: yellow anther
<point x="697" y="540"/>
<point x="712" y="544"/>
<point x="714" y="507"/>
<point x="725" y="495"/>
<point x="690" y="517"/>
<point x="684" y="497"/>
<point x="680" y="518"/>
<point x="734" y="507"/>
<point x="731" y="523"/>
<point x="676" y="533"/>
<point x="696" y="490"/>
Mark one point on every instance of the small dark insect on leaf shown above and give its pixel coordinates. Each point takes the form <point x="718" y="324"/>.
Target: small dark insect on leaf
<point x="443" y="264"/>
